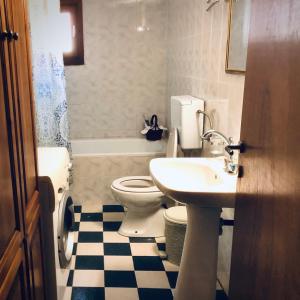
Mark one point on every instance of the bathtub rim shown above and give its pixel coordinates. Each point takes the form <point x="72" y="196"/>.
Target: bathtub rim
<point x="99" y="154"/>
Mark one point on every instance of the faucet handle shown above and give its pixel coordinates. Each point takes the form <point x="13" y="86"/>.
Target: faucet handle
<point x="230" y="166"/>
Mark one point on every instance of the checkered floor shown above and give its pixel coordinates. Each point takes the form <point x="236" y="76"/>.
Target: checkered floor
<point x="109" y="266"/>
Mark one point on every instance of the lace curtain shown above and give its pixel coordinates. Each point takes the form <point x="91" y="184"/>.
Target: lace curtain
<point x="48" y="74"/>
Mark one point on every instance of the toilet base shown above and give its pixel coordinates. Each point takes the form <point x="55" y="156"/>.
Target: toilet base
<point x="143" y="224"/>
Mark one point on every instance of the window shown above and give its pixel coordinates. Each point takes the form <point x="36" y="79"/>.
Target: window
<point x="71" y="11"/>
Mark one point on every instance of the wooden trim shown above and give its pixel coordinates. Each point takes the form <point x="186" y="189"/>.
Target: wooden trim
<point x="10" y="263"/>
<point x="33" y="224"/>
<point x="13" y="126"/>
<point x="30" y="76"/>
<point x="11" y="274"/>
<point x="32" y="216"/>
<point x="14" y="108"/>
<point x="19" y="72"/>
<point x="31" y="206"/>
<point x="9" y="254"/>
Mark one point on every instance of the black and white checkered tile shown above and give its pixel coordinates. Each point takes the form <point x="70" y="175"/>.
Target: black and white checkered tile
<point x="106" y="265"/>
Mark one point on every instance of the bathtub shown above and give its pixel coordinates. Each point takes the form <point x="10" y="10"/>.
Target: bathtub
<point x="97" y="163"/>
<point x="117" y="146"/>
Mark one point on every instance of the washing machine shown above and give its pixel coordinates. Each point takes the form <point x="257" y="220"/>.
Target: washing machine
<point x="54" y="164"/>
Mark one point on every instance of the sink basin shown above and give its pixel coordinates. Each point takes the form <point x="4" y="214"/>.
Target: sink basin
<point x="204" y="186"/>
<point x="195" y="180"/>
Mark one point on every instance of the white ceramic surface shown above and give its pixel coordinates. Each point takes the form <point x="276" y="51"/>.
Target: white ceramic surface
<point x="144" y="215"/>
<point x="205" y="187"/>
<point x="200" y="181"/>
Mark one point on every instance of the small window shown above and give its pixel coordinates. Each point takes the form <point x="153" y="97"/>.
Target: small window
<point x="71" y="12"/>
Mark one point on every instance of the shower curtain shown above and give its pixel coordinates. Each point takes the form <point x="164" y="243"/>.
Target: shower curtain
<point x="51" y="106"/>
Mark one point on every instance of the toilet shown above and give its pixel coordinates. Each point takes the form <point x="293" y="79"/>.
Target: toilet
<point x="143" y="201"/>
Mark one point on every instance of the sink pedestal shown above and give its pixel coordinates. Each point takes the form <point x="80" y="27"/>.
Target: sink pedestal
<point x="204" y="186"/>
<point x="198" y="270"/>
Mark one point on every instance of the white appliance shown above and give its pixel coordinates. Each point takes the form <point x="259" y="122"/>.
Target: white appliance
<point x="54" y="162"/>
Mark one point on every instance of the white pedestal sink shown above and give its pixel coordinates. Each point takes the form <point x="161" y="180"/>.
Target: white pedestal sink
<point x="204" y="186"/>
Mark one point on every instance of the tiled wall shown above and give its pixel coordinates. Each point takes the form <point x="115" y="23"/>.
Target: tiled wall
<point x="93" y="176"/>
<point x="196" y="66"/>
<point x="124" y="75"/>
<point x="196" y="58"/>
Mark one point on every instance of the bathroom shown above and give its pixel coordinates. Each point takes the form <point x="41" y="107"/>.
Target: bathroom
<point x="128" y="75"/>
<point x="140" y="113"/>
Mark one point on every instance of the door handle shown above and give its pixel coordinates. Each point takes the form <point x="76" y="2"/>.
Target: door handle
<point x="241" y="147"/>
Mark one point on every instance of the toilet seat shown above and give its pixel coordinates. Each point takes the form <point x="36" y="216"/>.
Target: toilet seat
<point x="143" y="201"/>
<point x="176" y="214"/>
<point x="135" y="184"/>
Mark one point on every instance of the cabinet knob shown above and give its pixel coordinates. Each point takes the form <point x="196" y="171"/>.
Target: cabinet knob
<point x="15" y="36"/>
<point x="9" y="35"/>
<point x="3" y="35"/>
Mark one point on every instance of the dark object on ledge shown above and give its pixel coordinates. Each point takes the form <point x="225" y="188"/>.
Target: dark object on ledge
<point x="155" y="133"/>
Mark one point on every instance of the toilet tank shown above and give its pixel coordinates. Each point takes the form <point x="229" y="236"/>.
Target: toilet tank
<point x="188" y="122"/>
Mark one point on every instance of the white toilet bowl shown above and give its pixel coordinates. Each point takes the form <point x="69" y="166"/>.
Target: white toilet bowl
<point x="143" y="200"/>
<point x="145" y="215"/>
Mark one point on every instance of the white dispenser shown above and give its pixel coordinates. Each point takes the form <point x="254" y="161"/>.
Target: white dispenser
<point x="187" y="120"/>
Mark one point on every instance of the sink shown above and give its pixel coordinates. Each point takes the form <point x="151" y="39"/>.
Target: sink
<point x="201" y="181"/>
<point x="204" y="186"/>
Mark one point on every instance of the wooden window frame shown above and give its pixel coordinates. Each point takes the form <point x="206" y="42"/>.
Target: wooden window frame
<point x="74" y="7"/>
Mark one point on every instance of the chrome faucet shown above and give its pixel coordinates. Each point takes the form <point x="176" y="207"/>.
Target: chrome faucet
<point x="228" y="141"/>
<point x="230" y="166"/>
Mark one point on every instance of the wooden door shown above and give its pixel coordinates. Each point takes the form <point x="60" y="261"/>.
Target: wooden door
<point x="12" y="259"/>
<point x="266" y="243"/>
<point x="21" y="69"/>
<point x="16" y="97"/>
<point x="12" y="251"/>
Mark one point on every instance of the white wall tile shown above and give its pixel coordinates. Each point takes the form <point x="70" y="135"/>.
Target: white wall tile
<point x="93" y="176"/>
<point x="196" y="66"/>
<point x="124" y="72"/>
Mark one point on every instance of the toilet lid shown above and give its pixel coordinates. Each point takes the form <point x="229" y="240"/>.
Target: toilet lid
<point x="176" y="214"/>
<point x="172" y="143"/>
<point x="135" y="184"/>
